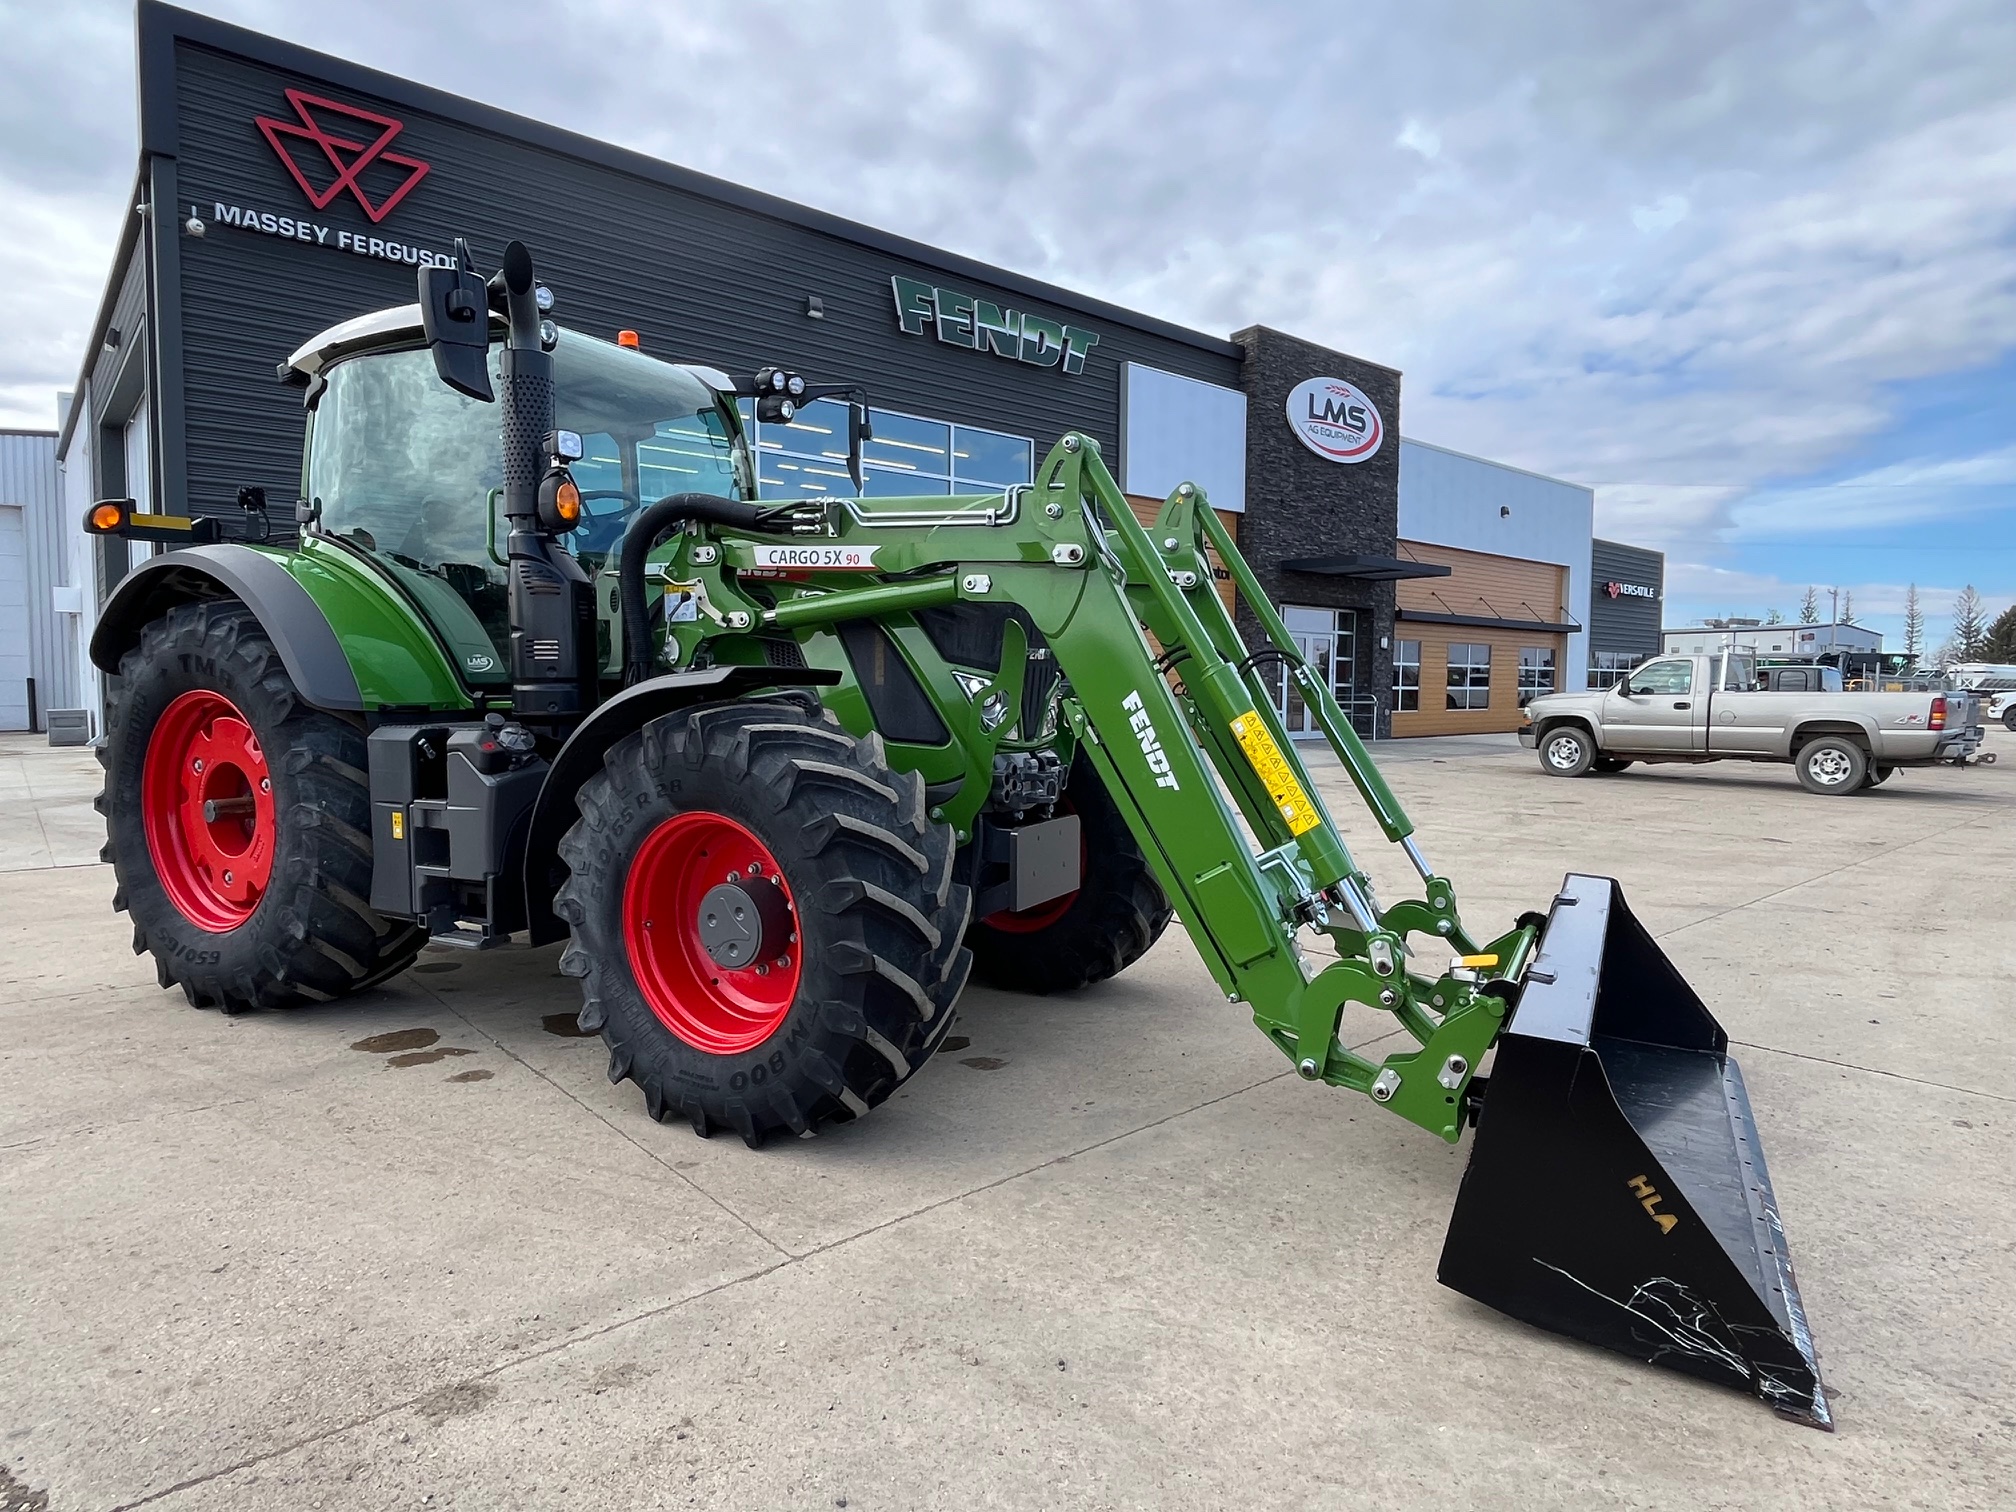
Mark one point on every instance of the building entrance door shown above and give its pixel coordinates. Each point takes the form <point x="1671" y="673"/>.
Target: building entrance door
<point x="1327" y="640"/>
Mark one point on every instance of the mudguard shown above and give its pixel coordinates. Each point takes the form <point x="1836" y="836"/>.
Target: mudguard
<point x="581" y="758"/>
<point x="302" y="599"/>
<point x="287" y="612"/>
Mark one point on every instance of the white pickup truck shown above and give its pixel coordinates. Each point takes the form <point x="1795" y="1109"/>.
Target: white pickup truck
<point x="1712" y="708"/>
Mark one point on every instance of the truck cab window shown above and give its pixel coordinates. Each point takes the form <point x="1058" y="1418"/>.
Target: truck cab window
<point x="1660" y="678"/>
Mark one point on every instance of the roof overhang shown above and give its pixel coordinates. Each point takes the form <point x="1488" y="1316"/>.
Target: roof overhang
<point x="1384" y="569"/>
<point x="1490" y="622"/>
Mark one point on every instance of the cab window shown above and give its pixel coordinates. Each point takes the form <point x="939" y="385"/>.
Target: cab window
<point x="1663" y="677"/>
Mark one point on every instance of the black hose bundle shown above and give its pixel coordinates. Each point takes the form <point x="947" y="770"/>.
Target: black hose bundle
<point x="644" y="532"/>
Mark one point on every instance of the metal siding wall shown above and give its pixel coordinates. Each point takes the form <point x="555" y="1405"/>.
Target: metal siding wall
<point x="28" y="478"/>
<point x="1453" y="500"/>
<point x="1625" y="624"/>
<point x="700" y="280"/>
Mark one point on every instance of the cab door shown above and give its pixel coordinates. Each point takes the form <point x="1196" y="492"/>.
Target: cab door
<point x="1658" y="709"/>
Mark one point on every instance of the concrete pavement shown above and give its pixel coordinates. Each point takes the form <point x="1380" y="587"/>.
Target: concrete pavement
<point x="414" y="1250"/>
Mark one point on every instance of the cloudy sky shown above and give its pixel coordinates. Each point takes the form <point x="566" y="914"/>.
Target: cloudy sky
<point x="1747" y="266"/>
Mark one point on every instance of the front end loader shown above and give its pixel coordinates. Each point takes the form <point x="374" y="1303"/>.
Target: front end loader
<point x="783" y="774"/>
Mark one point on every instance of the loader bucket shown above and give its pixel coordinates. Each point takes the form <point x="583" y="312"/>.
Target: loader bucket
<point x="1616" y="1190"/>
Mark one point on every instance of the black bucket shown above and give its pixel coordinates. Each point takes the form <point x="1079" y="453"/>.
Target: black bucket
<point x="1616" y="1190"/>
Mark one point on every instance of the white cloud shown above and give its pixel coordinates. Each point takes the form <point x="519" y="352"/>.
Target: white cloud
<point x="1676" y="252"/>
<point x="1418" y="138"/>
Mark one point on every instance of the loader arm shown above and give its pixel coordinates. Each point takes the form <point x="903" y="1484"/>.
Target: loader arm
<point x="1616" y="1190"/>
<point x="1255" y="877"/>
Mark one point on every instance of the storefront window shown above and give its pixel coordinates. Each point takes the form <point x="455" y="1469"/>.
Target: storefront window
<point x="1536" y="672"/>
<point x="908" y="455"/>
<point x="1607" y="668"/>
<point x="1406" y="676"/>
<point x="1469" y="675"/>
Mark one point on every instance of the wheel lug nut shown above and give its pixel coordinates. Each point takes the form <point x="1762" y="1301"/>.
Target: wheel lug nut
<point x="197" y="764"/>
<point x="265" y="784"/>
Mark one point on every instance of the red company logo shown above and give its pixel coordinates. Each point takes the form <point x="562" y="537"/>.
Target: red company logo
<point x="349" y="158"/>
<point x="1613" y="589"/>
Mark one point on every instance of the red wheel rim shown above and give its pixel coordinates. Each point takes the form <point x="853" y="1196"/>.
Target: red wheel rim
<point x="206" y="802"/>
<point x="722" y="1010"/>
<point x="1043" y="915"/>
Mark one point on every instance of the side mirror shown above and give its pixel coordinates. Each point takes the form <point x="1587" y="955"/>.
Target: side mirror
<point x="455" y="313"/>
<point x="859" y="429"/>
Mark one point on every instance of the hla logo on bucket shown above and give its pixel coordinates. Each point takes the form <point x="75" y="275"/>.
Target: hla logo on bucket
<point x="1335" y="420"/>
<point x="982" y="326"/>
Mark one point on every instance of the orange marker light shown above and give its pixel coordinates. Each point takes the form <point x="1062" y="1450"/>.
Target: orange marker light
<point x="629" y="339"/>
<point x="107" y="517"/>
<point x="567" y="501"/>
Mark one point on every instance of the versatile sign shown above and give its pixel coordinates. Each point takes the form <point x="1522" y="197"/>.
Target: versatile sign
<point x="342" y="159"/>
<point x="815" y="558"/>
<point x="1335" y="419"/>
<point x="1630" y="590"/>
<point x="981" y="325"/>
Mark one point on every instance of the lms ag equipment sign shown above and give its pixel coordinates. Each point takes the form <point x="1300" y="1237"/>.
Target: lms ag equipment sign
<point x="1335" y="419"/>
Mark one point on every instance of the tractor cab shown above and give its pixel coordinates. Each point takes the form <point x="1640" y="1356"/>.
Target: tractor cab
<point x="410" y="472"/>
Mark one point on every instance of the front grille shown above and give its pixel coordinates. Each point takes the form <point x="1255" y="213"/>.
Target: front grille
<point x="546" y="650"/>
<point x="1038" y="683"/>
<point x="782" y="653"/>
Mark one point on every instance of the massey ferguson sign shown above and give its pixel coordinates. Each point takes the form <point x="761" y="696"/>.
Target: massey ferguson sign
<point x="331" y="150"/>
<point x="330" y="147"/>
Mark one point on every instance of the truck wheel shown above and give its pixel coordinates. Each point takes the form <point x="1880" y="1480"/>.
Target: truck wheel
<point x="1831" y="764"/>
<point x="1567" y="751"/>
<point x="246" y="875"/>
<point x="1117" y="912"/>
<point x="2009" y="717"/>
<point x="1609" y="765"/>
<point x="764" y="920"/>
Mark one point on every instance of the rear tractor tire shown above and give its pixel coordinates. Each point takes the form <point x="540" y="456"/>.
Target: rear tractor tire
<point x="1117" y="912"/>
<point x="238" y="821"/>
<point x="1566" y="751"/>
<point x="763" y="917"/>
<point x="1830" y="765"/>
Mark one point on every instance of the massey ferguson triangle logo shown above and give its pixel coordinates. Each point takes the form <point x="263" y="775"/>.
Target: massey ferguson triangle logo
<point x="315" y="139"/>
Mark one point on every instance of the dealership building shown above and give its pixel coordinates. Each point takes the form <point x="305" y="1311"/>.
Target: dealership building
<point x="280" y="191"/>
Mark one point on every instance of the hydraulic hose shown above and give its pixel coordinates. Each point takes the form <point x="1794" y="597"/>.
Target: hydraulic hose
<point x="644" y="532"/>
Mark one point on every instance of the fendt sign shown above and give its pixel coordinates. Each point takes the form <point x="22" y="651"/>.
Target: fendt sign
<point x="980" y="325"/>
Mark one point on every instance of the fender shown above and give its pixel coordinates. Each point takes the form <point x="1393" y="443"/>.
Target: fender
<point x="287" y="612"/>
<point x="581" y="758"/>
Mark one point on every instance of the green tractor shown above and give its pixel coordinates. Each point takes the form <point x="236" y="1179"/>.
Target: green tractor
<point x="783" y="774"/>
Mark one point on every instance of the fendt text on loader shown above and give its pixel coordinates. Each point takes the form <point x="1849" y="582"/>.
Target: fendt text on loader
<point x="539" y="660"/>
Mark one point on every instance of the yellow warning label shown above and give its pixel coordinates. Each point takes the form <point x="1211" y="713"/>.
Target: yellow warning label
<point x="1275" y="773"/>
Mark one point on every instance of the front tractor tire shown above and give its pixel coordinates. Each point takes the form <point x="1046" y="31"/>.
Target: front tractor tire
<point x="1117" y="912"/>
<point x="238" y="820"/>
<point x="763" y="917"/>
